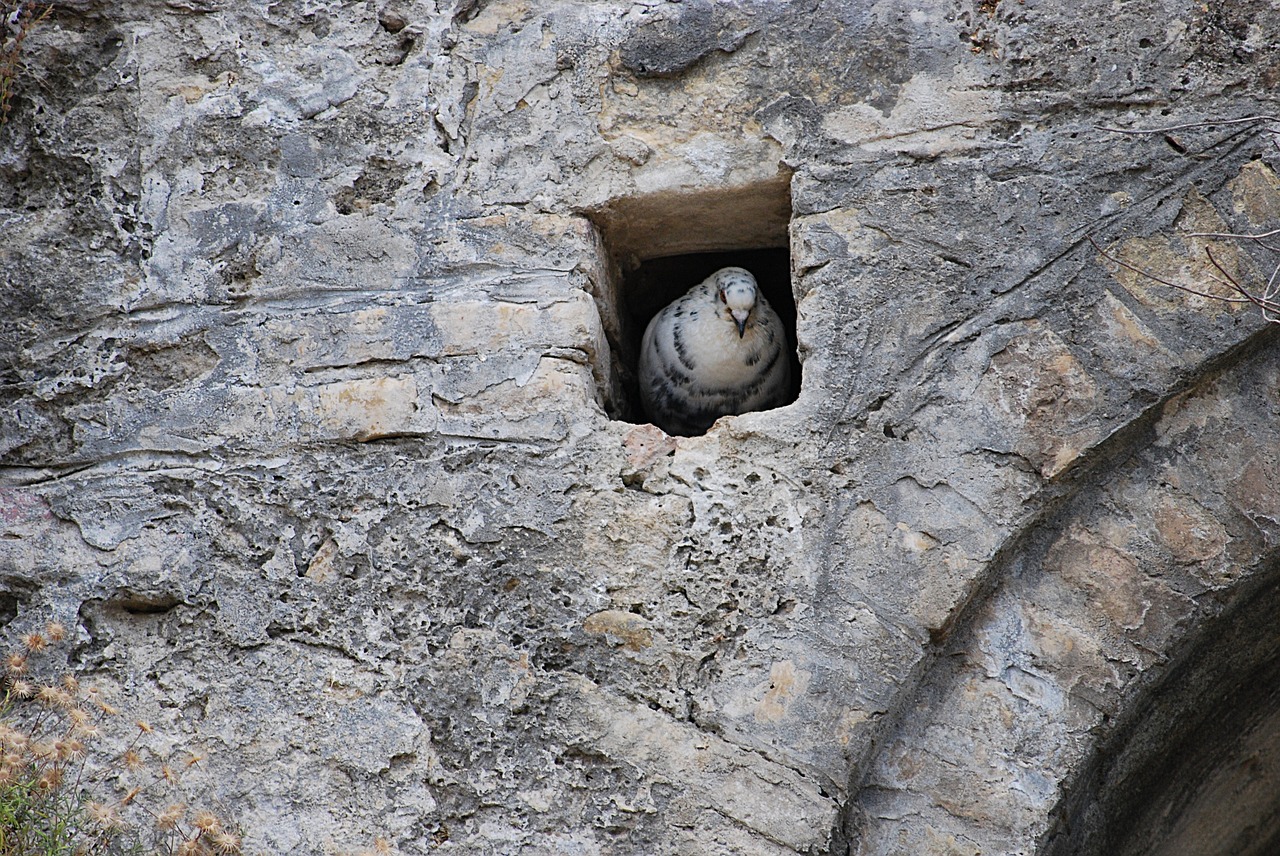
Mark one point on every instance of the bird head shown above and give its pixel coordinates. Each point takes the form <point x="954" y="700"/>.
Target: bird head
<point x="737" y="291"/>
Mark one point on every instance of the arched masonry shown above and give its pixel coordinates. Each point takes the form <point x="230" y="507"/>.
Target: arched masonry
<point x="1112" y="695"/>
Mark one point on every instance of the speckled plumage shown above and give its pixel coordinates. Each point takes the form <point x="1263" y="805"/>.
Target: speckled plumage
<point x="697" y="364"/>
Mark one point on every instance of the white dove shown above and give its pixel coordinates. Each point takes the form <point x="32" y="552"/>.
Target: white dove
<point x="718" y="350"/>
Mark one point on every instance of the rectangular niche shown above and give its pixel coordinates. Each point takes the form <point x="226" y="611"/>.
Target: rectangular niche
<point x="660" y="245"/>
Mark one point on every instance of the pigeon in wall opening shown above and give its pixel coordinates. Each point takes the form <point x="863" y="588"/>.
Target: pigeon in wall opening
<point x="718" y="350"/>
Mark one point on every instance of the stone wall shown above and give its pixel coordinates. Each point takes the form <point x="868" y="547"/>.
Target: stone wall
<point x="318" y="330"/>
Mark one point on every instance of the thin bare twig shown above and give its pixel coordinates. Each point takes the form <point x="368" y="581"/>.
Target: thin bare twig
<point x="1266" y="301"/>
<point x="1272" y="285"/>
<point x="24" y="16"/>
<point x="1189" y="125"/>
<point x="1258" y="237"/>
<point x="1267" y="306"/>
<point x="1188" y="289"/>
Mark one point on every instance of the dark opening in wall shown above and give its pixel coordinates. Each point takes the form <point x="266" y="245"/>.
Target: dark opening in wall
<point x="662" y="245"/>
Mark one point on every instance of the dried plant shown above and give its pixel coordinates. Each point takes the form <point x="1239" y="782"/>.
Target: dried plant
<point x="1267" y="297"/>
<point x="17" y="20"/>
<point x="56" y="773"/>
<point x="1264" y="298"/>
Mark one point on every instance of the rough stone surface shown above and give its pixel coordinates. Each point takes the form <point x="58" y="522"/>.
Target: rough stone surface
<point x="310" y="340"/>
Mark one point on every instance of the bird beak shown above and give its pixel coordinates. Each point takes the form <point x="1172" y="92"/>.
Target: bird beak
<point x="741" y="321"/>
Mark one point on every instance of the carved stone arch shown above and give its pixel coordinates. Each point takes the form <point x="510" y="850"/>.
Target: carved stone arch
<point x="1193" y="769"/>
<point x="1130" y="644"/>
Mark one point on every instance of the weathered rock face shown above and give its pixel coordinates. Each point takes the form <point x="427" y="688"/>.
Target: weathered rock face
<point x="315" y="317"/>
